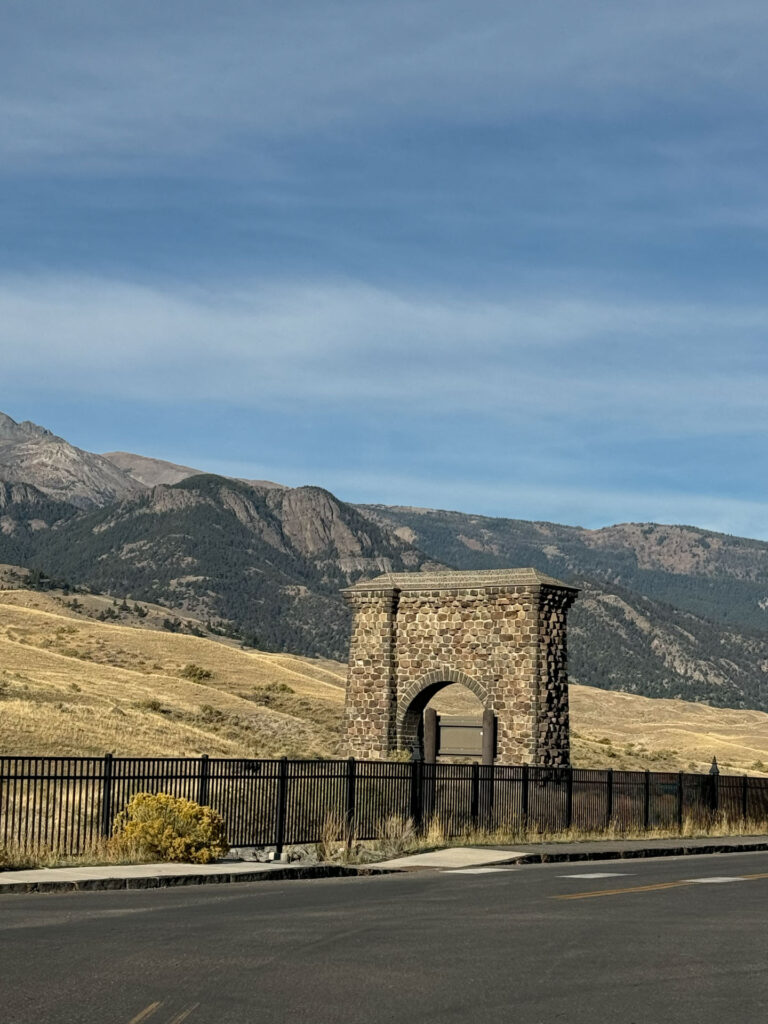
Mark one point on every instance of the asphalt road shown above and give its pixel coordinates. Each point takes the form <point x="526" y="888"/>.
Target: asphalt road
<point x="526" y="945"/>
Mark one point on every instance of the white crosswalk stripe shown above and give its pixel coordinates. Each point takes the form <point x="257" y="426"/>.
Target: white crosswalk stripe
<point x="474" y="871"/>
<point x="715" y="880"/>
<point x="599" y="874"/>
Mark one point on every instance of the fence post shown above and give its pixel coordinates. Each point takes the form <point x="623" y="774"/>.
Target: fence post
<point x="282" y="801"/>
<point x="349" y="813"/>
<point x="647" y="801"/>
<point x="680" y="800"/>
<point x="524" y="796"/>
<point x="106" y="797"/>
<point x="431" y="732"/>
<point x="489" y="737"/>
<point x="714" y="793"/>
<point x="744" y="798"/>
<point x="569" y="797"/>
<point x="416" y="794"/>
<point x="475" y="805"/>
<point x="202" y="781"/>
<point x="609" y="798"/>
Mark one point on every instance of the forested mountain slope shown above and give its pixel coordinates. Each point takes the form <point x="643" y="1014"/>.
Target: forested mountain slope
<point x="714" y="575"/>
<point x="270" y="561"/>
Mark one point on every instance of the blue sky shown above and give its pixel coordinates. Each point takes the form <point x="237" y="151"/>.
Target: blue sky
<point x="507" y="258"/>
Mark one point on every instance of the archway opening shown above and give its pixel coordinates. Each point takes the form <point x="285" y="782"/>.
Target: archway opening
<point x="454" y="717"/>
<point x="453" y="732"/>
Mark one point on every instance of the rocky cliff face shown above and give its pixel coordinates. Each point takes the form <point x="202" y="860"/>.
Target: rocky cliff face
<point x="320" y="527"/>
<point x="33" y="455"/>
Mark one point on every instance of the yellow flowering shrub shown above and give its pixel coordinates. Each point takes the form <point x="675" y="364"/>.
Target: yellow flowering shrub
<point x="157" y="826"/>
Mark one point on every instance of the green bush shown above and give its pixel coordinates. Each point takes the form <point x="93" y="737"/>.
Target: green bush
<point x="158" y="826"/>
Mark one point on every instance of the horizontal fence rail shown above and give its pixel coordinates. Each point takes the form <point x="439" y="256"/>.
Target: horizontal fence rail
<point x="67" y="803"/>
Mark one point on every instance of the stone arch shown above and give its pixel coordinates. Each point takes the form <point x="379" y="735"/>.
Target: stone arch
<point x="499" y="632"/>
<point x="415" y="696"/>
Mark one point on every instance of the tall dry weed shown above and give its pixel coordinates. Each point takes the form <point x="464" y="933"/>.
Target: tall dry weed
<point x="337" y="841"/>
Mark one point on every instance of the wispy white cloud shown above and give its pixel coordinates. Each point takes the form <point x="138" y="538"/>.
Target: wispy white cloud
<point x="658" y="369"/>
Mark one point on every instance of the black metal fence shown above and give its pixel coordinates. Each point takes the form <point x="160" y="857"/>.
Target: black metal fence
<point x="65" y="803"/>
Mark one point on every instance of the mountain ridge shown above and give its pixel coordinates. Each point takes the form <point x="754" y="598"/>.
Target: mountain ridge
<point x="35" y="455"/>
<point x="148" y="471"/>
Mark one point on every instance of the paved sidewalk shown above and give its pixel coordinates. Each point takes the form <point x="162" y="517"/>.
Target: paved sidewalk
<point x="619" y="849"/>
<point x="551" y="853"/>
<point x="155" y="876"/>
<point x="452" y="857"/>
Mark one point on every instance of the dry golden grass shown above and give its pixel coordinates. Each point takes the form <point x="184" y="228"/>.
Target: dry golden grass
<point x="398" y="837"/>
<point x="73" y="685"/>
<point x="15" y="856"/>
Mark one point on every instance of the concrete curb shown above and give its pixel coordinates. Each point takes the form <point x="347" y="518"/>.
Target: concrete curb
<point x="311" y="871"/>
<point x="680" y="850"/>
<point x="171" y="881"/>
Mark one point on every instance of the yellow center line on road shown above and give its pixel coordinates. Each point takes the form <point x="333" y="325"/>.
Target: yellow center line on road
<point x="646" y="888"/>
<point x="143" y="1014"/>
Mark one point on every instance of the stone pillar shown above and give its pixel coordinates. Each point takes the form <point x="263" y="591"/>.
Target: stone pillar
<point x="553" y="729"/>
<point x="371" y="699"/>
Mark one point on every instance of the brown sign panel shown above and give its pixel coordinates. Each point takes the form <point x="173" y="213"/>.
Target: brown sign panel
<point x="459" y="737"/>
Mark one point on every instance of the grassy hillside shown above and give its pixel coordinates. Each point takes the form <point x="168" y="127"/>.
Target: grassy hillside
<point x="71" y="684"/>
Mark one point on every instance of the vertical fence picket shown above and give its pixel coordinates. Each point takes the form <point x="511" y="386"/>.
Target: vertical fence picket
<point x="568" y="797"/>
<point x="417" y="794"/>
<point x="744" y="798"/>
<point x="608" y="798"/>
<point x="647" y="801"/>
<point x="349" y="810"/>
